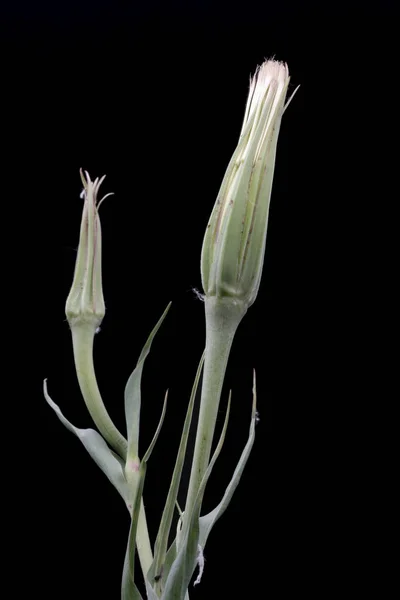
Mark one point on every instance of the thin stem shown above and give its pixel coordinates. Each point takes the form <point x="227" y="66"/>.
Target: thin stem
<point x="82" y="339"/>
<point x="222" y="319"/>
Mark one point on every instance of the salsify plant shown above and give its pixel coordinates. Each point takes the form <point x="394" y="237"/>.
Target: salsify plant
<point x="232" y="259"/>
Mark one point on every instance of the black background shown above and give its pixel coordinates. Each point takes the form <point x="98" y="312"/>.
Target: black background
<point x="152" y="95"/>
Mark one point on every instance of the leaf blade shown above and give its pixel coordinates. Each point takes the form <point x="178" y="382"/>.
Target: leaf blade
<point x="133" y="392"/>
<point x="108" y="461"/>
<point x="129" y="590"/>
<point x="184" y="565"/>
<point x="159" y="570"/>
<point x="208" y="521"/>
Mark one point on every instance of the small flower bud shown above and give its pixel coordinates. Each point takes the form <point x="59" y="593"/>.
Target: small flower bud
<point x="234" y="243"/>
<point x="85" y="302"/>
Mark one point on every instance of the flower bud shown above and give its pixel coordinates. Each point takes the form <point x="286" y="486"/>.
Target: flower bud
<point x="234" y="243"/>
<point x="85" y="302"/>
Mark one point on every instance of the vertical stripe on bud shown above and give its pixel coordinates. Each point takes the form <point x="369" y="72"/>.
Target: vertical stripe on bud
<point x="85" y="301"/>
<point x="234" y="243"/>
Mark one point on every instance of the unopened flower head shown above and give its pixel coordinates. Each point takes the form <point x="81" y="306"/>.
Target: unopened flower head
<point x="85" y="302"/>
<point x="234" y="243"/>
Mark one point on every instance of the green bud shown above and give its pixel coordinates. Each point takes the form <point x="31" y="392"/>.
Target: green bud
<point x="85" y="302"/>
<point x="234" y="243"/>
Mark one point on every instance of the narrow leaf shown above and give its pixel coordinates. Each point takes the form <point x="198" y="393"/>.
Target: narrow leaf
<point x="208" y="521"/>
<point x="184" y="565"/>
<point x="157" y="433"/>
<point x="136" y="483"/>
<point x="109" y="462"/>
<point x="157" y="574"/>
<point x="129" y="590"/>
<point x="133" y="394"/>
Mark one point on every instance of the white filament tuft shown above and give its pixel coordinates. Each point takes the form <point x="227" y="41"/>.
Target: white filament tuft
<point x="198" y="294"/>
<point x="200" y="562"/>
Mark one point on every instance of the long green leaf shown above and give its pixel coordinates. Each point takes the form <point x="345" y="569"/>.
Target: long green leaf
<point x="109" y="462"/>
<point x="133" y="393"/>
<point x="184" y="565"/>
<point x="135" y="481"/>
<point x="129" y="590"/>
<point x="208" y="521"/>
<point x="157" y="433"/>
<point x="158" y="573"/>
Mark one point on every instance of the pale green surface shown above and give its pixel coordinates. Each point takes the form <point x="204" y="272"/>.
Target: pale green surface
<point x="110" y="463"/>
<point x="113" y="463"/>
<point x="222" y="320"/>
<point x="114" y="468"/>
<point x="160" y="549"/>
<point x="86" y="295"/>
<point x="83" y="334"/>
<point x="208" y="521"/>
<point x="133" y="395"/>
<point x="231" y="267"/>
<point x="135" y="478"/>
<point x="233" y="248"/>
<point x="184" y="565"/>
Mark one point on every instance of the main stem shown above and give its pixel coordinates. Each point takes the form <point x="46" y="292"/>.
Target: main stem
<point x="82" y="339"/>
<point x="222" y="319"/>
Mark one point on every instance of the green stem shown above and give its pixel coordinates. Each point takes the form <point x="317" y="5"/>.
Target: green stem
<point x="222" y="319"/>
<point x="82" y="339"/>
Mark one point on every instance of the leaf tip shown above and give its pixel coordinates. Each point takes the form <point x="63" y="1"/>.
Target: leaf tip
<point x="254" y="408"/>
